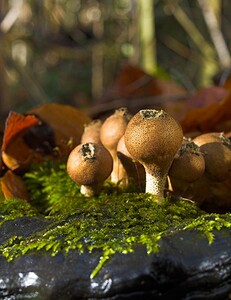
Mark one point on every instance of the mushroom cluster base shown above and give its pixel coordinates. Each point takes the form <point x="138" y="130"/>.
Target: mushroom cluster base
<point x="117" y="246"/>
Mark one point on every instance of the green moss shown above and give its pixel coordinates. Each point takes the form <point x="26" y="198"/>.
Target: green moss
<point x="116" y="221"/>
<point x="49" y="186"/>
<point x="15" y="208"/>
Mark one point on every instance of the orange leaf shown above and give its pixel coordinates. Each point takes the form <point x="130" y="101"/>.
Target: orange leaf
<point x="12" y="186"/>
<point x="17" y="156"/>
<point x="15" y="153"/>
<point x="15" y="125"/>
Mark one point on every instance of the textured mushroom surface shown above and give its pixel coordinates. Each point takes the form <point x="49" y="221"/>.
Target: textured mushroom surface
<point x="216" y="148"/>
<point x="153" y="138"/>
<point x="89" y="165"/>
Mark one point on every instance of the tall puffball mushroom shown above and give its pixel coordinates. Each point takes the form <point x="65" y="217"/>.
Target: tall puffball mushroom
<point x="89" y="165"/>
<point x="153" y="138"/>
<point x="111" y="131"/>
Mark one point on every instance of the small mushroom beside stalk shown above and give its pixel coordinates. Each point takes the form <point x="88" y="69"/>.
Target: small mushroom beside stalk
<point x="89" y="165"/>
<point x="187" y="167"/>
<point x="216" y="148"/>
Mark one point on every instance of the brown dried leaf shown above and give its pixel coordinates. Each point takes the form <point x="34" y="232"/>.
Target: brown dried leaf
<point x="66" y="122"/>
<point x="206" y="96"/>
<point x="12" y="186"/>
<point x="16" y="155"/>
<point x="137" y="90"/>
<point x="211" y="117"/>
<point x="132" y="81"/>
<point x="16" y="124"/>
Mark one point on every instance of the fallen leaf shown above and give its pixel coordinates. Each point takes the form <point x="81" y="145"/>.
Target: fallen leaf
<point x="12" y="186"/>
<point x="206" y="96"/>
<point x="16" y="155"/>
<point x="211" y="117"/>
<point x="66" y="122"/>
<point x="133" y="81"/>
<point x="136" y="90"/>
<point x="17" y="124"/>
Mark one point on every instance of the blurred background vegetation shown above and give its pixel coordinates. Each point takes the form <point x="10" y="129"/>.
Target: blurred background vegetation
<point x="70" y="51"/>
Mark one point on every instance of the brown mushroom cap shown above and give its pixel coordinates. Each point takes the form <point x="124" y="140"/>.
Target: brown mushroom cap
<point x="189" y="163"/>
<point x="113" y="128"/>
<point x="217" y="154"/>
<point x="210" y="137"/>
<point x="89" y="164"/>
<point x="153" y="138"/>
<point x="217" y="160"/>
<point x="91" y="133"/>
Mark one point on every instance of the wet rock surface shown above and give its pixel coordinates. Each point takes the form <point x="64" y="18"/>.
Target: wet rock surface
<point x="186" y="267"/>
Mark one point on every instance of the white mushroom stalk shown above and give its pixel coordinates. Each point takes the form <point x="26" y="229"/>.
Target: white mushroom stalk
<point x="153" y="138"/>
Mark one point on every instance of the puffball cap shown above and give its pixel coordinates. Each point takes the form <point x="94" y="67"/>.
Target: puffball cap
<point x="189" y="164"/>
<point x="114" y="127"/>
<point x="217" y="154"/>
<point x="153" y="138"/>
<point x="89" y="164"/>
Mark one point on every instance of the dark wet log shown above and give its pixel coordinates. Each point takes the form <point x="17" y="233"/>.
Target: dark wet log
<point x="186" y="267"/>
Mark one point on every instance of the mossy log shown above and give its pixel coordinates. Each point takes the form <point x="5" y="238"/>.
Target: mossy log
<point x="120" y="245"/>
<point x="185" y="267"/>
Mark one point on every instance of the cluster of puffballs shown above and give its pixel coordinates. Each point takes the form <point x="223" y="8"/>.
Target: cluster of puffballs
<point x="149" y="150"/>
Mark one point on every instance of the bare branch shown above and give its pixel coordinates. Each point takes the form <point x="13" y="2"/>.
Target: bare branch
<point x="11" y="16"/>
<point x="204" y="47"/>
<point x="215" y="32"/>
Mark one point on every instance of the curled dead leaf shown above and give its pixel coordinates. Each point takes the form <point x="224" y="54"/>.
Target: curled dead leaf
<point x="16" y="124"/>
<point x="12" y="186"/>
<point x="33" y="137"/>
<point x="16" y="155"/>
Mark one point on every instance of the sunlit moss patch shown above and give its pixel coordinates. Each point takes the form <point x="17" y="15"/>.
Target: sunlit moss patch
<point x="15" y="208"/>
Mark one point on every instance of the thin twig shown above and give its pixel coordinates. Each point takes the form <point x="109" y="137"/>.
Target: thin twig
<point x="215" y="32"/>
<point x="12" y="16"/>
<point x="204" y="47"/>
<point x="32" y="86"/>
<point x="133" y="102"/>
